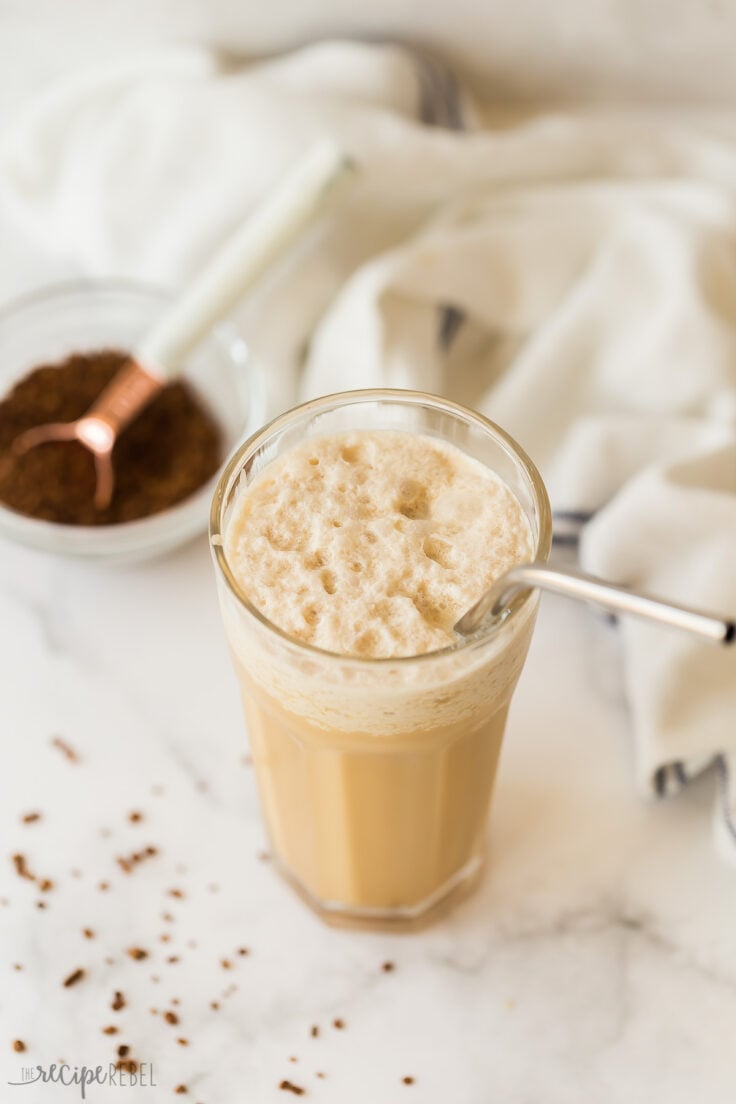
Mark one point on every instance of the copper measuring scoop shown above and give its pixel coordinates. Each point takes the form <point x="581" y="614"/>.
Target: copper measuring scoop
<point x="261" y="239"/>
<point x="495" y="605"/>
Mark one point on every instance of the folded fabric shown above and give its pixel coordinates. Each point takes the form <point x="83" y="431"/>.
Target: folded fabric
<point x="597" y="326"/>
<point x="672" y="531"/>
<point x="573" y="277"/>
<point x="140" y="169"/>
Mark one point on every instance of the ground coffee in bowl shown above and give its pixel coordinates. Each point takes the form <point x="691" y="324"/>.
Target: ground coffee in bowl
<point x="164" y="456"/>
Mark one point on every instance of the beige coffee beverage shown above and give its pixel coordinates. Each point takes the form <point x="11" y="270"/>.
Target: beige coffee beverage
<point x="375" y="731"/>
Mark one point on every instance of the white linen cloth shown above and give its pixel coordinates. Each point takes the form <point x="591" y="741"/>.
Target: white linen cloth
<point x="573" y="277"/>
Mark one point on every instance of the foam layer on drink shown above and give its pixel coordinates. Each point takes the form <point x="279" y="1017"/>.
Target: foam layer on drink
<point x="373" y="543"/>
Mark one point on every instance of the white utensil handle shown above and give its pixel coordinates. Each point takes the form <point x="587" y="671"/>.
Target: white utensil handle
<point x="267" y="233"/>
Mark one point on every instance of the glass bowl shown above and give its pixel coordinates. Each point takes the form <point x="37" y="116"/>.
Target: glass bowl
<point x="46" y="326"/>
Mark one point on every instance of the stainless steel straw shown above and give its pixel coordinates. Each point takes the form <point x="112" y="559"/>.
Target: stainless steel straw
<point x="497" y="601"/>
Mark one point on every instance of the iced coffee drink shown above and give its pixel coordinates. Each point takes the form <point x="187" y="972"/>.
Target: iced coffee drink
<point x="349" y="537"/>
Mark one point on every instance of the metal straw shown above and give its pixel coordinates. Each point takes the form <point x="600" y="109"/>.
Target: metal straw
<point x="588" y="588"/>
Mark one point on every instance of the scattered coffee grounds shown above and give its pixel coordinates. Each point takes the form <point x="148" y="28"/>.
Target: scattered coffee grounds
<point x="173" y="959"/>
<point x="40" y="904"/>
<point x="408" y="1080"/>
<point x="183" y="1042"/>
<point x="118" y="1001"/>
<point x="339" y="1024"/>
<point x="73" y="978"/>
<point x="103" y="886"/>
<point x="243" y="951"/>
<point x="110" y="1030"/>
<point x="314" y="1032"/>
<point x="31" y="818"/>
<point x="226" y="964"/>
<point x="181" y="1089"/>
<point x="289" y="1086"/>
<point x="17" y="966"/>
<point x="321" y="1075"/>
<point x="23" y="871"/>
<point x="388" y="967"/>
<point x="178" y="893"/>
<point x="56" y="741"/>
<point x="123" y="1050"/>
<point x="135" y="817"/>
<point x="21" y="868"/>
<point x="171" y="1017"/>
<point x="127" y="863"/>
<point x="88" y="933"/>
<point x="128" y="1065"/>
<point x="169" y="451"/>
<point x="137" y="953"/>
<point x="19" y="1046"/>
<point x="214" y="1006"/>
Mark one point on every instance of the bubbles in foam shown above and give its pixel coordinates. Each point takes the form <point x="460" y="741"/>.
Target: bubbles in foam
<point x="373" y="543"/>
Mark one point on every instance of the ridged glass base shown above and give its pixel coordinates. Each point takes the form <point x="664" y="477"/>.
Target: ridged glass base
<point x="403" y="918"/>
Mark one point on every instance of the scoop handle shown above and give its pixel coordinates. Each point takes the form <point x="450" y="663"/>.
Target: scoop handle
<point x="266" y="234"/>
<point x="590" y="588"/>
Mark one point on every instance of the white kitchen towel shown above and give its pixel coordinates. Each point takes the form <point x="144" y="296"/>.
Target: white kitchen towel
<point x="574" y="277"/>
<point x="673" y="529"/>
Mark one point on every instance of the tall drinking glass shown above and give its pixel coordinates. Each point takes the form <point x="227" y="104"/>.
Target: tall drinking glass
<point x="375" y="775"/>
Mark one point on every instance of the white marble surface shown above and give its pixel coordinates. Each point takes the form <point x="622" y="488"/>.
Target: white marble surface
<point x="597" y="961"/>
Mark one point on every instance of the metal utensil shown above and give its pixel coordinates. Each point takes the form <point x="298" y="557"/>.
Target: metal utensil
<point x="260" y="240"/>
<point x="497" y="602"/>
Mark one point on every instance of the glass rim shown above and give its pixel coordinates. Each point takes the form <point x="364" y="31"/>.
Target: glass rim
<point x="244" y="451"/>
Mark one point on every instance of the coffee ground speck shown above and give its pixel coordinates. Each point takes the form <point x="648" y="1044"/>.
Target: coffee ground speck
<point x="289" y="1086"/>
